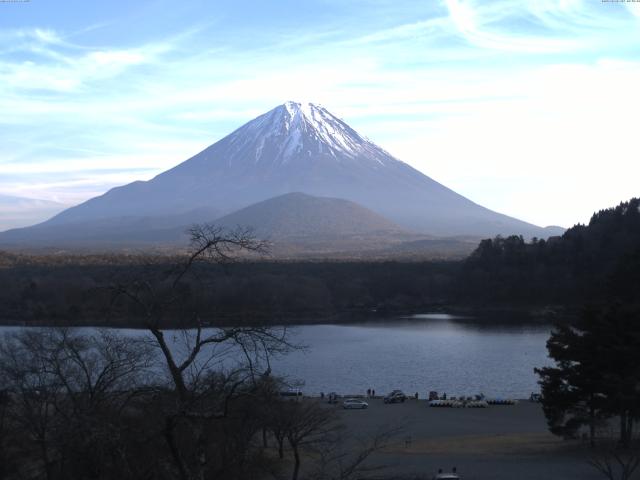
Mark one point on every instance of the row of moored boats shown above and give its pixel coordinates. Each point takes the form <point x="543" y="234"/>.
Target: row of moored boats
<point x="470" y="402"/>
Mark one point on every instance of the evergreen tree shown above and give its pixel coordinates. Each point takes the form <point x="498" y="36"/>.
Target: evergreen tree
<point x="571" y="390"/>
<point x="597" y="373"/>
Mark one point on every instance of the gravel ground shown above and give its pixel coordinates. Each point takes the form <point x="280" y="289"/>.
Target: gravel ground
<point x="497" y="443"/>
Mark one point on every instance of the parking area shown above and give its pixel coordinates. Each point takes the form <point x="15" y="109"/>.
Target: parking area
<point x="498" y="442"/>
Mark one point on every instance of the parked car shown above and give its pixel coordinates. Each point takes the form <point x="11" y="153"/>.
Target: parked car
<point x="354" y="403"/>
<point x="291" y="392"/>
<point x="453" y="475"/>
<point x="397" y="396"/>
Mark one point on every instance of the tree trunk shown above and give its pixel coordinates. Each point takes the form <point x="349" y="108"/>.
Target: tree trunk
<point x="175" y="453"/>
<point x="624" y="431"/>
<point x="296" y="465"/>
<point x="281" y="448"/>
<point x="176" y="374"/>
<point x="264" y="438"/>
<point x="201" y="450"/>
<point x="592" y="424"/>
<point x="45" y="459"/>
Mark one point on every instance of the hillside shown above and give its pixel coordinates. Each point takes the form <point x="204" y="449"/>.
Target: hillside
<point x="300" y="215"/>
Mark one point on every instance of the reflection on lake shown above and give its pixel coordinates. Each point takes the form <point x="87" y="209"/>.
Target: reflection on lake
<point x="456" y="355"/>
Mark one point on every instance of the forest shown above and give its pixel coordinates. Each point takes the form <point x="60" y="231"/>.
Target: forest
<point x="593" y="262"/>
<point x="590" y="262"/>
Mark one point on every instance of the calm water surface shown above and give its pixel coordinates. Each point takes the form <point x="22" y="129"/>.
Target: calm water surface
<point x="425" y="352"/>
<point x="416" y="354"/>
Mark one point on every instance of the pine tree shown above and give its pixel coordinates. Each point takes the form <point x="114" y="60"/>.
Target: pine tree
<point x="597" y="373"/>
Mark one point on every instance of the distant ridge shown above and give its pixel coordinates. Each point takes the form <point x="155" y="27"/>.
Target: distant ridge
<point x="18" y="212"/>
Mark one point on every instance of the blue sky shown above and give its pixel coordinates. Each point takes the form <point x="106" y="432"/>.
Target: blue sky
<point x="528" y="107"/>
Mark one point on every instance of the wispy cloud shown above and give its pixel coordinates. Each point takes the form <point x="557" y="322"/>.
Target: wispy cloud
<point x="534" y="26"/>
<point x="90" y="107"/>
<point x="67" y="71"/>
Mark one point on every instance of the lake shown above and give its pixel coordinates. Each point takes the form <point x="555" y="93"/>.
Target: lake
<point x="417" y="354"/>
<point x="459" y="356"/>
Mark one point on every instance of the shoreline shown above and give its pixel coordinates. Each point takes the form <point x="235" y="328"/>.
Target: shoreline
<point x="480" y="314"/>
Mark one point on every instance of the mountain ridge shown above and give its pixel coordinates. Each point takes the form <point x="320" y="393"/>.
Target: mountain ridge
<point x="297" y="148"/>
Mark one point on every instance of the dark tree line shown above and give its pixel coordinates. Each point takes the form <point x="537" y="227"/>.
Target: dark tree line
<point x="247" y="291"/>
<point x="594" y="262"/>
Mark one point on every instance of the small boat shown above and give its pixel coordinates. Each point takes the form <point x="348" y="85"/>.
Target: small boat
<point x="501" y="401"/>
<point x="446" y="403"/>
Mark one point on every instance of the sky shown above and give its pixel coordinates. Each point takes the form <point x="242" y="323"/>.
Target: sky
<point x="528" y="107"/>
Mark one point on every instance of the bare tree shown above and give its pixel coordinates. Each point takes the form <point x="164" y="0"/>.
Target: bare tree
<point x="34" y="391"/>
<point x="65" y="393"/>
<point x="309" y="425"/>
<point x="615" y="463"/>
<point x="207" y="366"/>
<point x="344" y="457"/>
<point x="209" y="245"/>
<point x="278" y="423"/>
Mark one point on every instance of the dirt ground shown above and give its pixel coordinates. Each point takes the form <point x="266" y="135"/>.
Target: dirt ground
<point x="496" y="443"/>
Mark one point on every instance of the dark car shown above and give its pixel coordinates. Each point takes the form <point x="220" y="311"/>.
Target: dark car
<point x="292" y="392"/>
<point x="397" y="396"/>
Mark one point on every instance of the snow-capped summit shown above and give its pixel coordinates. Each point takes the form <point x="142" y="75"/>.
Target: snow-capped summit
<point x="297" y="147"/>
<point x="297" y="129"/>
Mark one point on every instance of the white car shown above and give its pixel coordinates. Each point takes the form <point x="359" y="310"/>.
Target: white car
<point x="447" y="476"/>
<point x="354" y="403"/>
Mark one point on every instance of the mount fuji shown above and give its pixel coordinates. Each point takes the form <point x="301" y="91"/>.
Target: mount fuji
<point x="293" y="148"/>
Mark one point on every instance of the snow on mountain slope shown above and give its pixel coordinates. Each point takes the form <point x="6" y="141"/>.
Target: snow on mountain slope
<point x="300" y="129"/>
